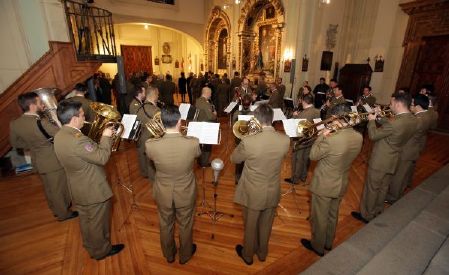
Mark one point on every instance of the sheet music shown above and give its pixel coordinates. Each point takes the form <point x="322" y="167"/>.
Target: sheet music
<point x="128" y="121"/>
<point x="240" y="107"/>
<point x="354" y="109"/>
<point x="253" y="107"/>
<point x="206" y="132"/>
<point x="291" y="125"/>
<point x="184" y="110"/>
<point x="278" y="114"/>
<point x="261" y="102"/>
<point x="367" y="108"/>
<point x="318" y="120"/>
<point x="350" y="101"/>
<point x="230" y="107"/>
<point x="245" y="117"/>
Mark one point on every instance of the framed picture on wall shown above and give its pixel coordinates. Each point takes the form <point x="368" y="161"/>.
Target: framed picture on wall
<point x="287" y="66"/>
<point x="326" y="61"/>
<point x="156" y="61"/>
<point x="167" y="59"/>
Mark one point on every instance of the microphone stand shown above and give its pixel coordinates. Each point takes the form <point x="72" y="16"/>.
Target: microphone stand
<point x="214" y="214"/>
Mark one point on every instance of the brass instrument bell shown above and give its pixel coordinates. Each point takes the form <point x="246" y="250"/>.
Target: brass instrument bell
<point x="243" y="128"/>
<point x="105" y="116"/>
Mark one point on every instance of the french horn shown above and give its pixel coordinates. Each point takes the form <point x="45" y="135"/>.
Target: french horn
<point x="47" y="96"/>
<point x="244" y="128"/>
<point x="155" y="126"/>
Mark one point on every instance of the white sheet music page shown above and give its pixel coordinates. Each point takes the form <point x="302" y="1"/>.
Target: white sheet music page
<point x="230" y="107"/>
<point x="206" y="132"/>
<point x="184" y="110"/>
<point x="290" y="126"/>
<point x="354" y="109"/>
<point x="367" y="108"/>
<point x="318" y="120"/>
<point x="245" y="117"/>
<point x="253" y="107"/>
<point x="278" y="114"/>
<point x="128" y="121"/>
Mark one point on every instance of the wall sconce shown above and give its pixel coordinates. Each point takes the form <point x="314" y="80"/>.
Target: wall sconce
<point x="305" y="63"/>
<point x="379" y="63"/>
<point x="145" y="26"/>
<point x="237" y="2"/>
<point x="288" y="56"/>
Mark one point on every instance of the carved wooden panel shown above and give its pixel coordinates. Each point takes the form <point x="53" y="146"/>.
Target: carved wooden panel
<point x="57" y="68"/>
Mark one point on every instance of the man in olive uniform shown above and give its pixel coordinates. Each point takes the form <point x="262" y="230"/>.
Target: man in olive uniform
<point x="80" y="96"/>
<point x="389" y="139"/>
<point x="206" y="113"/>
<point x="175" y="187"/>
<point x="138" y="98"/>
<point x="280" y="86"/>
<point x="276" y="99"/>
<point x="258" y="190"/>
<point x="144" y="114"/>
<point x="335" y="153"/>
<point x="83" y="161"/>
<point x="367" y="98"/>
<point x="336" y="99"/>
<point x="300" y="154"/>
<point x="31" y="132"/>
<point x="412" y="149"/>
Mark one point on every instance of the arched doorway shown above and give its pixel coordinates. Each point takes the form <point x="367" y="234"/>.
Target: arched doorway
<point x="260" y="34"/>
<point x="217" y="45"/>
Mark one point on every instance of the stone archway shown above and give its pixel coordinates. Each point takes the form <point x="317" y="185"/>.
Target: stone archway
<point x="258" y="17"/>
<point x="218" y="31"/>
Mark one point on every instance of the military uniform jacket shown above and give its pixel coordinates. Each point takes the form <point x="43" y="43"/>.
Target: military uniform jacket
<point x="173" y="156"/>
<point x="205" y="108"/>
<point x="88" y="112"/>
<point x="389" y="140"/>
<point x="370" y="100"/>
<point x="334" y="154"/>
<point x="415" y="145"/>
<point x="276" y="100"/>
<point x="259" y="185"/>
<point x="134" y="106"/>
<point x="336" y="101"/>
<point x="83" y="161"/>
<point x="144" y="114"/>
<point x="24" y="133"/>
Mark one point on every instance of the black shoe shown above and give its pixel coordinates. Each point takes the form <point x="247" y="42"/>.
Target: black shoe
<point x="261" y="259"/>
<point x="289" y="180"/>
<point x="73" y="215"/>
<point x="358" y="216"/>
<point x="193" y="253"/>
<point x="204" y="165"/>
<point x="307" y="244"/>
<point x="389" y="202"/>
<point x="114" y="250"/>
<point x="170" y="261"/>
<point x="328" y="248"/>
<point x="239" y="249"/>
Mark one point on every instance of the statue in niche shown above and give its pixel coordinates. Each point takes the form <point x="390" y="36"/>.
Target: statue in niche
<point x="267" y="47"/>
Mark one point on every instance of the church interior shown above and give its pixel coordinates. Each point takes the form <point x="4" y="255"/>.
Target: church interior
<point x="386" y="45"/>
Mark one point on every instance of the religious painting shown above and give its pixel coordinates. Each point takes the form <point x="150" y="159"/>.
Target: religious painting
<point x="156" y="61"/>
<point x="287" y="66"/>
<point x="176" y="64"/>
<point x="166" y="59"/>
<point x="222" y="49"/>
<point x="270" y="12"/>
<point x="379" y="64"/>
<point x="267" y="49"/>
<point x="305" y="63"/>
<point x="326" y="61"/>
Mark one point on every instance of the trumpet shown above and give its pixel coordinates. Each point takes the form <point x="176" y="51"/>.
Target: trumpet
<point x="243" y="128"/>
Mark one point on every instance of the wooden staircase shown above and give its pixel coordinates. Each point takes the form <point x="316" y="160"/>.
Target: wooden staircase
<point x="58" y="68"/>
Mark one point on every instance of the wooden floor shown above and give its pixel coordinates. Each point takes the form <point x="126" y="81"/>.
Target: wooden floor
<point x="31" y="241"/>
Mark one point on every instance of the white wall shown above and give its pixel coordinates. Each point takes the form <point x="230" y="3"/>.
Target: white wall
<point x="26" y="27"/>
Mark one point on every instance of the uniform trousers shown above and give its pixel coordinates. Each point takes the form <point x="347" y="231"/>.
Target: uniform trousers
<point x="324" y="218"/>
<point x="374" y="193"/>
<point x="184" y="217"/>
<point x="300" y="164"/>
<point x="57" y="193"/>
<point x="95" y="228"/>
<point x="146" y="165"/>
<point x="401" y="179"/>
<point x="257" y="224"/>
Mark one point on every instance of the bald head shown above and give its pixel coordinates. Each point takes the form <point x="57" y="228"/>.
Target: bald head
<point x="152" y="94"/>
<point x="206" y="92"/>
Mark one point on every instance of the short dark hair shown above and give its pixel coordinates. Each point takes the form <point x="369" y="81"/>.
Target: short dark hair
<point x="421" y="100"/>
<point x="246" y="101"/>
<point x="26" y="99"/>
<point x="367" y="87"/>
<point x="80" y="87"/>
<point x="170" y="115"/>
<point x="339" y="109"/>
<point x="236" y="73"/>
<point x="308" y="98"/>
<point x="334" y="80"/>
<point x="338" y="86"/>
<point x="139" y="88"/>
<point x="264" y="114"/>
<point x="67" y="109"/>
<point x="322" y="78"/>
<point x="404" y="98"/>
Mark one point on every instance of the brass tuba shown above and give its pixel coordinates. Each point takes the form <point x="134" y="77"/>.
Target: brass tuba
<point x="105" y="116"/>
<point x="243" y="128"/>
<point x="47" y="96"/>
<point x="155" y="126"/>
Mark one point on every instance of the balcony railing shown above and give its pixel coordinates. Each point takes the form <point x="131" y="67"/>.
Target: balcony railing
<point x="92" y="31"/>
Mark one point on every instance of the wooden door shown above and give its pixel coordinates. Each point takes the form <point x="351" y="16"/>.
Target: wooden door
<point x="136" y="59"/>
<point x="432" y="67"/>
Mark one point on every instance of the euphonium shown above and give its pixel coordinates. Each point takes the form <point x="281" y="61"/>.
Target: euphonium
<point x="243" y="128"/>
<point x="47" y="96"/>
<point x="105" y="116"/>
<point x="155" y="126"/>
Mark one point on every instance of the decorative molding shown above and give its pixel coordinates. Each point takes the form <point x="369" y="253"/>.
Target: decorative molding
<point x="218" y="21"/>
<point x="57" y="68"/>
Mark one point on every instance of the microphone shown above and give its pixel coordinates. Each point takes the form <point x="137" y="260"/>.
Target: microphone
<point x="217" y="165"/>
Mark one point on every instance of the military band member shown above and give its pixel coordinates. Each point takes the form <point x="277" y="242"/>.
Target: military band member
<point x="80" y="96"/>
<point x="336" y="99"/>
<point x="412" y="149"/>
<point x="366" y="98"/>
<point x="280" y="86"/>
<point x="34" y="133"/>
<point x="276" y="99"/>
<point x="258" y="190"/>
<point x="175" y="187"/>
<point x="335" y="153"/>
<point x="145" y="113"/>
<point x="300" y="154"/>
<point x="83" y="161"/>
<point x="138" y="98"/>
<point x="206" y="113"/>
<point x="389" y="139"/>
<point x="427" y="91"/>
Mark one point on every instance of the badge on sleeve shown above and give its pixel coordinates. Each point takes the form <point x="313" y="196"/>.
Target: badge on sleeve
<point x="89" y="147"/>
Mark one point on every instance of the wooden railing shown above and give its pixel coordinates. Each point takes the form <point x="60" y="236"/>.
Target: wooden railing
<point x="57" y="68"/>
